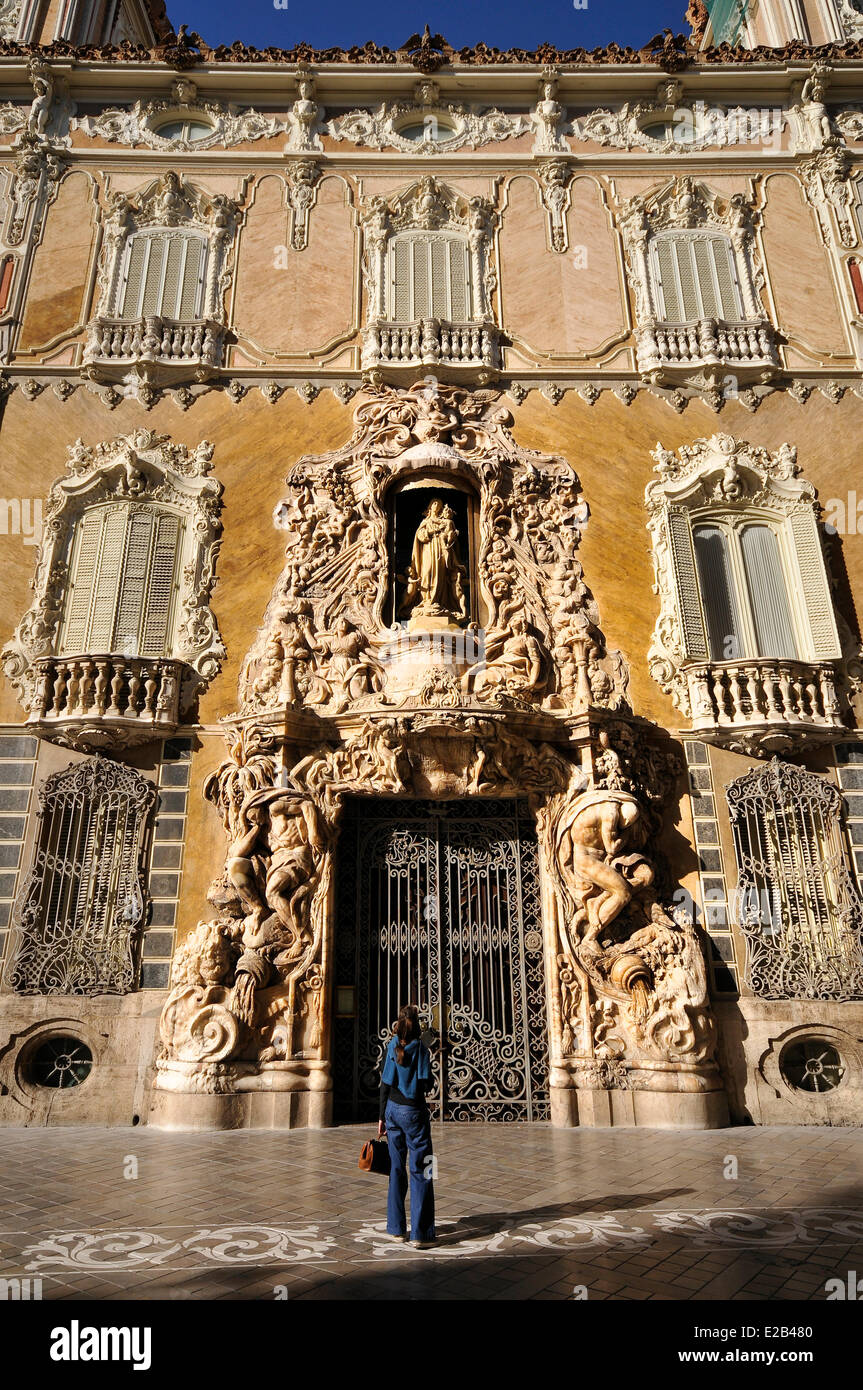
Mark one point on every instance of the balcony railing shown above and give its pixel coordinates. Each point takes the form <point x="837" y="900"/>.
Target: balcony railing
<point x="155" y="348"/>
<point x="431" y="343"/>
<point x="765" y="698"/>
<point x="101" y="700"/>
<point x="746" y="349"/>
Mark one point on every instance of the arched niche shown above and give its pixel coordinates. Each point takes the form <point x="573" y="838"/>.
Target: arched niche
<point x="407" y="503"/>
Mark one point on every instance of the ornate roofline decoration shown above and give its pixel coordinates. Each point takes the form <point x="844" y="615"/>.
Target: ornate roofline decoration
<point x="136" y="469"/>
<point x="715" y="127"/>
<point x="138" y="124"/>
<point x="667" y="51"/>
<point x="468" y="126"/>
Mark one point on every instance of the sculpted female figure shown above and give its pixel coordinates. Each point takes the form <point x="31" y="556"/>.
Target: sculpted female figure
<point x="435" y="578"/>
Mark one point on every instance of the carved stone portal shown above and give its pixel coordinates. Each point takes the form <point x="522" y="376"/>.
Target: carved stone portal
<point x="510" y="691"/>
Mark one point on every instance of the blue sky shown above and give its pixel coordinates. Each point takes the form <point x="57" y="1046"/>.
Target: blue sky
<point x="501" y="23"/>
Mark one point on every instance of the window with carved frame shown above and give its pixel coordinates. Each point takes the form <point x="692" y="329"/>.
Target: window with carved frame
<point x="429" y="277"/>
<point x="695" y="276"/>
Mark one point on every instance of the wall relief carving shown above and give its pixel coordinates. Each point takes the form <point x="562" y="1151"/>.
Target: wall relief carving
<point x="202" y="124"/>
<point x="511" y="691"/>
<point x="427" y="125"/>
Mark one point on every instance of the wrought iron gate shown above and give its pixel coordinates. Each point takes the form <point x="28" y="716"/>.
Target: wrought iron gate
<point x="439" y="906"/>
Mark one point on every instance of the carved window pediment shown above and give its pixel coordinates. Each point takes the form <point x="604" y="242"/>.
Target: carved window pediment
<point x="692" y="262"/>
<point x="180" y="122"/>
<point x="166" y="265"/>
<point x="427" y="125"/>
<point x="120" y="636"/>
<point x="747" y="640"/>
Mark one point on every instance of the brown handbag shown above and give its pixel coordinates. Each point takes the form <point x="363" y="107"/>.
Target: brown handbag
<point x="375" y="1156"/>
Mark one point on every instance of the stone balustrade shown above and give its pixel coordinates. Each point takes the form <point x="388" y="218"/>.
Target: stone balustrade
<point x="129" y="693"/>
<point x="765" y="695"/>
<point x="431" y="342"/>
<point x="746" y="348"/>
<point x="168" y="348"/>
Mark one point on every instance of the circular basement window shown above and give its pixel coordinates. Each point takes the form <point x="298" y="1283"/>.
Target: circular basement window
<point x="60" y="1062"/>
<point x="811" y="1064"/>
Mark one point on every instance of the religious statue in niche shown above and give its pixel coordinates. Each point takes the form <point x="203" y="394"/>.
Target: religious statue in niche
<point x="435" y="577"/>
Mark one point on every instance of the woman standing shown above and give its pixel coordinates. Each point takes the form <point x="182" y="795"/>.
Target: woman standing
<point x="404" y="1118"/>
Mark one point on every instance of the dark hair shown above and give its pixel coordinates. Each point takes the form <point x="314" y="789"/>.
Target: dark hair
<point x="407" y="1027"/>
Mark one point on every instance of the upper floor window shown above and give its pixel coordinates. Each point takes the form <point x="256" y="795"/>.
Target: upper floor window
<point x="695" y="277"/>
<point x="121" y="628"/>
<point x="187" y="129"/>
<point x="163" y="274"/>
<point x="692" y="262"/>
<point x="744" y="589"/>
<point x="747" y="635"/>
<point x="429" y="277"/>
<point x="123" y="582"/>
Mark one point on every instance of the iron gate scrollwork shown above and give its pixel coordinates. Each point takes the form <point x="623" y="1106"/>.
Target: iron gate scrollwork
<point x="439" y="905"/>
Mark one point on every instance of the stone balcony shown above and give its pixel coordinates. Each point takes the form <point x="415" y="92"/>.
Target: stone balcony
<point x="768" y="706"/>
<point x="154" y="349"/>
<point x="105" y="701"/>
<point x="746" y="351"/>
<point x="465" y="347"/>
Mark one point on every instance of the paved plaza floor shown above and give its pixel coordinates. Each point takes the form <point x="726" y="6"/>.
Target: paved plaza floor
<point x="524" y="1212"/>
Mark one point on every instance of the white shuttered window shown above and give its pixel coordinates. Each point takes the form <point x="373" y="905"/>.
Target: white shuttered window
<point x="163" y="275"/>
<point x="695" y="277"/>
<point x="429" y="277"/>
<point x="124" y="567"/>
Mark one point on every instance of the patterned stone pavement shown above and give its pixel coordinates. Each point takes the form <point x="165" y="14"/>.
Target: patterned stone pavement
<point x="524" y="1212"/>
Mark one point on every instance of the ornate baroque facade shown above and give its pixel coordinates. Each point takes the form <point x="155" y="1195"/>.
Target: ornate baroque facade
<point x="432" y="563"/>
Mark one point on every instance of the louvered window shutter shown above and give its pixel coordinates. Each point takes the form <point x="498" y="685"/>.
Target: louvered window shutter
<point x="718" y="596"/>
<point x="429" y="278"/>
<point x="124" y="576"/>
<point x="160" y="587"/>
<point x="686" y="582"/>
<point x="697" y="277"/>
<point x="823" y="634"/>
<point x="401" y="288"/>
<point x="668" y="281"/>
<point x="768" y="594"/>
<point x="164" y="276"/>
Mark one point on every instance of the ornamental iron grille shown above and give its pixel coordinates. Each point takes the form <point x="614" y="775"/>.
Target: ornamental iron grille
<point x="798" y="907"/>
<point x="439" y="905"/>
<point x="81" y="907"/>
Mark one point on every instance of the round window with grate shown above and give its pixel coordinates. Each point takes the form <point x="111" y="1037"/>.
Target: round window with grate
<point x="811" y="1064"/>
<point x="61" y="1062"/>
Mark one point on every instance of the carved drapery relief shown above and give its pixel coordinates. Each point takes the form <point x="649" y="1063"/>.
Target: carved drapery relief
<point x="303" y="176"/>
<point x="446" y="126"/>
<point x="810" y="118"/>
<point x="136" y="470"/>
<point x="555" y="180"/>
<point x="139" y="124"/>
<point x="548" y="118"/>
<point x="633" y="978"/>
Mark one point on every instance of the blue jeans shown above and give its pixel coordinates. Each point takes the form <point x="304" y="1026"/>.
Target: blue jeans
<point x="409" y="1135"/>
